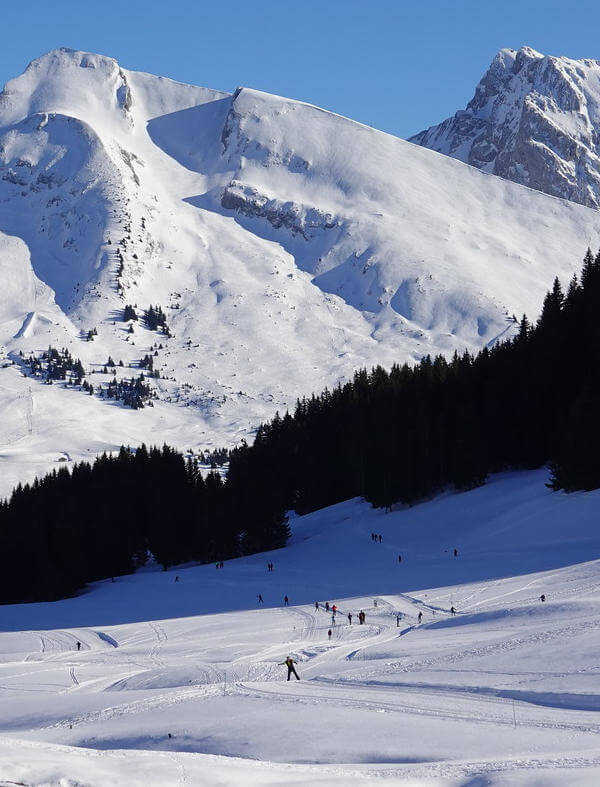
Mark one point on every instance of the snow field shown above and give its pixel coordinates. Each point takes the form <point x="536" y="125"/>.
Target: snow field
<point x="180" y="681"/>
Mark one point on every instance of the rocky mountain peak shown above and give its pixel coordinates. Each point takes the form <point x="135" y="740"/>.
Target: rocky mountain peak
<point x="535" y="120"/>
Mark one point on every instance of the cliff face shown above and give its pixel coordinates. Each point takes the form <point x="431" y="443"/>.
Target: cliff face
<point x="534" y="120"/>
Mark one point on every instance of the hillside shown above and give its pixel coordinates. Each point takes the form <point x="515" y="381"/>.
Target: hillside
<point x="180" y="681"/>
<point x="285" y="245"/>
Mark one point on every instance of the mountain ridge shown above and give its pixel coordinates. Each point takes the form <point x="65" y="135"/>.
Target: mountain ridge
<point x="286" y="245"/>
<point x="535" y="120"/>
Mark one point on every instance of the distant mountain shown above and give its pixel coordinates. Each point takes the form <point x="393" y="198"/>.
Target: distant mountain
<point x="534" y="120"/>
<point x="285" y="246"/>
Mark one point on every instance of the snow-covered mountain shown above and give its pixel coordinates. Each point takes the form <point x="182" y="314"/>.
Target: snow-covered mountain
<point x="285" y="245"/>
<point x="533" y="119"/>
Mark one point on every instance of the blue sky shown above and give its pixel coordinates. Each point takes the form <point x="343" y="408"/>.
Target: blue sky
<point x="399" y="66"/>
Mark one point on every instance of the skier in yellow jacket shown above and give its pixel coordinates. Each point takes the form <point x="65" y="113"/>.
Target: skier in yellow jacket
<point x="289" y="663"/>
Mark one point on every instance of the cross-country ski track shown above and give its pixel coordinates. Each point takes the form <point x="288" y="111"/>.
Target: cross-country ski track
<point x="182" y="683"/>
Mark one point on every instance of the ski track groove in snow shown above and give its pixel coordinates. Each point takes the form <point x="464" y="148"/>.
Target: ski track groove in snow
<point x="509" y="683"/>
<point x="402" y="706"/>
<point x="161" y="638"/>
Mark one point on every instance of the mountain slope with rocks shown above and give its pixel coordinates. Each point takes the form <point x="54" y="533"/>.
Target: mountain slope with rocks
<point x="535" y="120"/>
<point x="180" y="263"/>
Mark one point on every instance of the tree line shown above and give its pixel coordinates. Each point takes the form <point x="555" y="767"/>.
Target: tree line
<point x="388" y="436"/>
<point x="404" y="434"/>
<point x="109" y="518"/>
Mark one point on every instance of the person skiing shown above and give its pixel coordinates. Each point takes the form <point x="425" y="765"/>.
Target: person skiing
<point x="375" y="602"/>
<point x="399" y="558"/>
<point x="329" y="633"/>
<point x="398" y="616"/>
<point x="452" y="610"/>
<point x="79" y="646"/>
<point x="334" y="609"/>
<point x="349" y="618"/>
<point x="456" y="553"/>
<point x="177" y="578"/>
<point x="333" y="620"/>
<point x="289" y="663"/>
<point x="380" y="539"/>
<point x="286" y="601"/>
<point x="420" y="617"/>
<point x="543" y="597"/>
<point x="260" y="599"/>
<point x="361" y="617"/>
<point x="317" y="605"/>
<point x="327" y="606"/>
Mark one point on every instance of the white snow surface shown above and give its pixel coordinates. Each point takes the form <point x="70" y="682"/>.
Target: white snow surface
<point x="180" y="682"/>
<point x="287" y="245"/>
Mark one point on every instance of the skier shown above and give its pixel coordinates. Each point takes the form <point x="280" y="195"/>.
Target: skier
<point x="327" y="606"/>
<point x="289" y="663"/>
<point x="177" y="578"/>
<point x="398" y="616"/>
<point x="334" y="609"/>
<point x="399" y="558"/>
<point x="333" y="619"/>
<point x="452" y="610"/>
<point x="329" y="633"/>
<point x="286" y="601"/>
<point x="317" y="605"/>
<point x="456" y="553"/>
<point x="260" y="599"/>
<point x="420" y="617"/>
<point x="350" y="618"/>
<point x="361" y="617"/>
<point x="543" y="597"/>
<point x="375" y="602"/>
<point x="380" y="539"/>
<point x="79" y="646"/>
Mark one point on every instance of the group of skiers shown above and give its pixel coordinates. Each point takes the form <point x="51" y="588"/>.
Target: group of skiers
<point x="220" y="564"/>
<point x="334" y="610"/>
<point x="377" y="538"/>
<point x="269" y="566"/>
<point x="289" y="661"/>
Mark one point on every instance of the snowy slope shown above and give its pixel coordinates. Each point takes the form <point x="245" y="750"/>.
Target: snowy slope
<point x="287" y="246"/>
<point x="535" y="120"/>
<point x="180" y="682"/>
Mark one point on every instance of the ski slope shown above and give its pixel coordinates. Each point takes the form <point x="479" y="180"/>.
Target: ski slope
<point x="179" y="682"/>
<point x="288" y="246"/>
